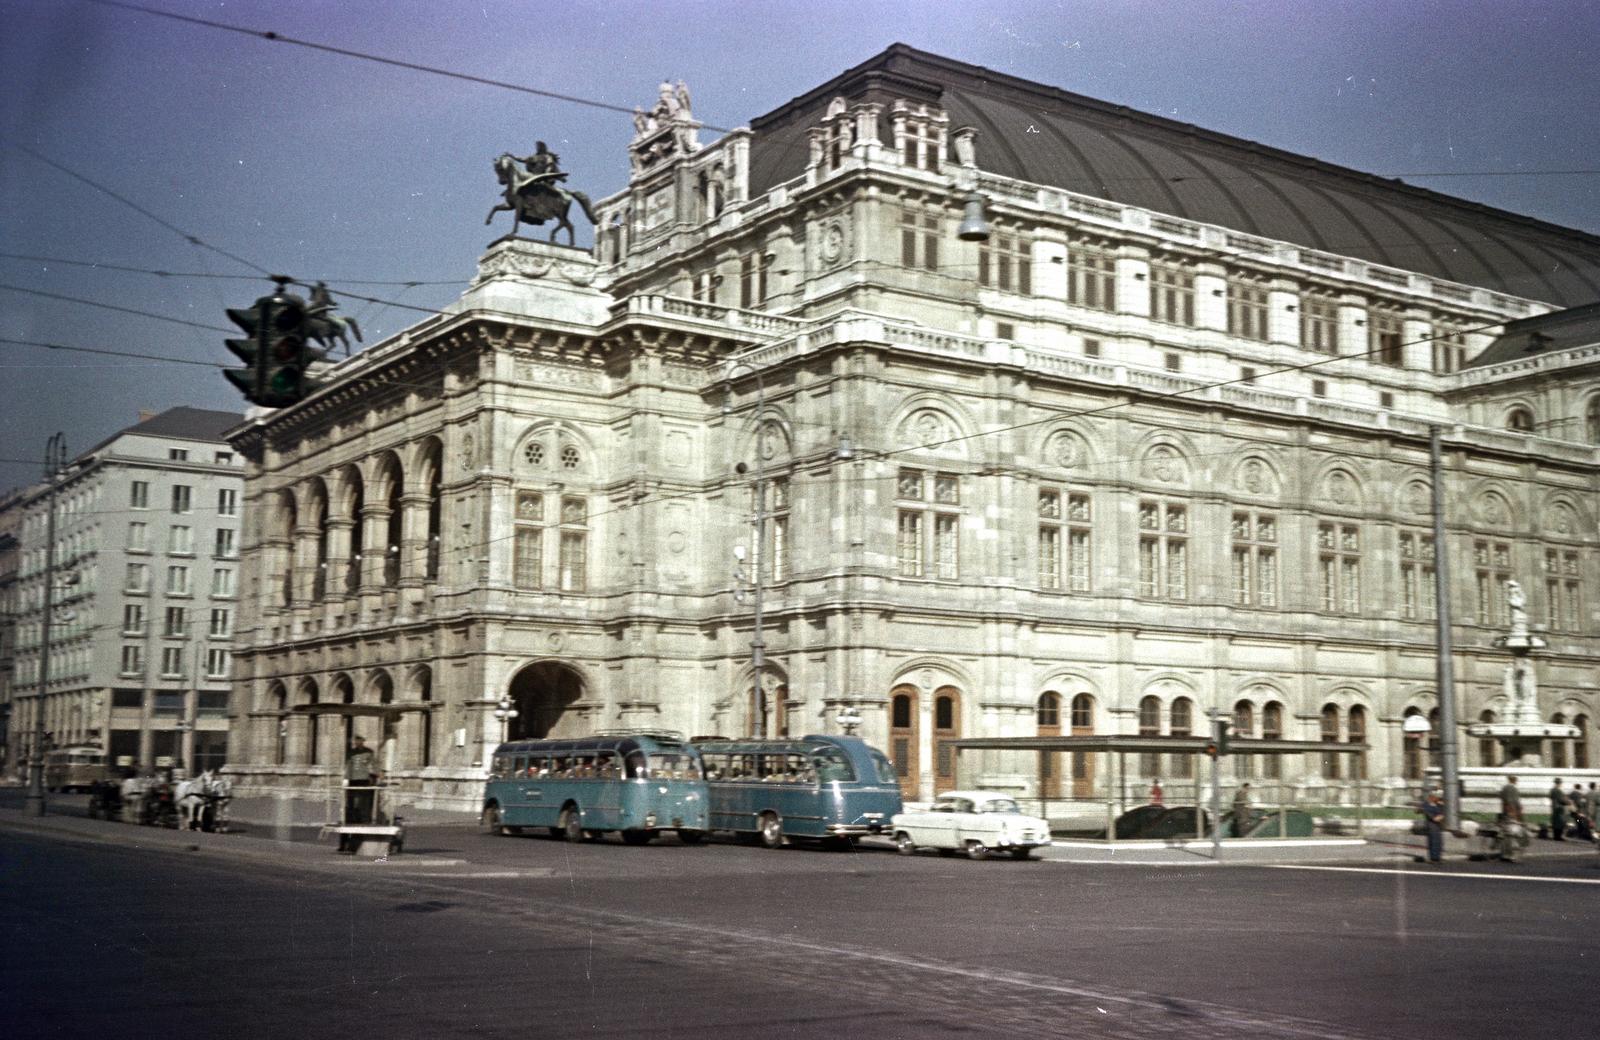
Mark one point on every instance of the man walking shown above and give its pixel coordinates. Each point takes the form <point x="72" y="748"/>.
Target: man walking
<point x="1241" y="811"/>
<point x="1513" y="835"/>
<point x="1582" y="813"/>
<point x="1433" y="825"/>
<point x="1558" y="811"/>
<point x="360" y="777"/>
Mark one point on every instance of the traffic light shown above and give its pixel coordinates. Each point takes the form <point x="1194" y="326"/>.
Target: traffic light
<point x="1221" y="740"/>
<point x="1211" y="749"/>
<point x="278" y="350"/>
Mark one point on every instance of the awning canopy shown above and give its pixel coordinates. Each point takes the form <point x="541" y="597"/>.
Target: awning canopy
<point x="1168" y="745"/>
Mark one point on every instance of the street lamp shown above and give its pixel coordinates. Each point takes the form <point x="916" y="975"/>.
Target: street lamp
<point x="849" y="720"/>
<point x="758" y="561"/>
<point x="505" y="712"/>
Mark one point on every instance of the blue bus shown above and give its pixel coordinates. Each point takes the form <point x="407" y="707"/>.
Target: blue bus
<point x="637" y="783"/>
<point x="827" y="788"/>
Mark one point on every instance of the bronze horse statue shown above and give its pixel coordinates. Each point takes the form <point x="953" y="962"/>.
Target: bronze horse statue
<point x="537" y="197"/>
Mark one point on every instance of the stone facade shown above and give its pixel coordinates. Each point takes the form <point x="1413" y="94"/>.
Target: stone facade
<point x="1105" y="472"/>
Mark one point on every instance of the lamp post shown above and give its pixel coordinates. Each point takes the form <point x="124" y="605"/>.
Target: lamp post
<point x="849" y="719"/>
<point x="505" y="712"/>
<point x="757" y="557"/>
<point x="55" y="460"/>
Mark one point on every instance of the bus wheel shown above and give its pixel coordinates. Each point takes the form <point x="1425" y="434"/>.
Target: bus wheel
<point x="771" y="829"/>
<point x="636" y="837"/>
<point x="571" y="825"/>
<point x="491" y="820"/>
<point x="691" y="837"/>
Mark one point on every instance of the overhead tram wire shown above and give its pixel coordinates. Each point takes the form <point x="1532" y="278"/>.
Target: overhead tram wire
<point x="409" y="284"/>
<point x="346" y="52"/>
<point x="194" y="240"/>
<point x="114" y="307"/>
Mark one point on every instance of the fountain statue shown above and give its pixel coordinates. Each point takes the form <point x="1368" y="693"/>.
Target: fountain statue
<point x="1522" y="732"/>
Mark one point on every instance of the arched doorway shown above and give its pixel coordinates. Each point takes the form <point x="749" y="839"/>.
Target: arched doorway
<point x="542" y="693"/>
<point x="1082" y="761"/>
<point x="903" y="737"/>
<point x="1048" y="718"/>
<point x="946" y="728"/>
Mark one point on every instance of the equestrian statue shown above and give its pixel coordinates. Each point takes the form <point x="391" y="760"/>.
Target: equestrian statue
<point x="323" y="325"/>
<point x="534" y="193"/>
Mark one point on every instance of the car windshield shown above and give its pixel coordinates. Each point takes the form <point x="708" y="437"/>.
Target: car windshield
<point x="999" y="805"/>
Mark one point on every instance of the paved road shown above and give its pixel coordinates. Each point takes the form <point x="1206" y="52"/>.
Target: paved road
<point x="473" y="936"/>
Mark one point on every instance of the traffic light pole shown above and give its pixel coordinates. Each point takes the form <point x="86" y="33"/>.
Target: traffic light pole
<point x="1216" y="786"/>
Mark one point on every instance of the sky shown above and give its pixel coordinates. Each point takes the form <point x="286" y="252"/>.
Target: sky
<point x="230" y="155"/>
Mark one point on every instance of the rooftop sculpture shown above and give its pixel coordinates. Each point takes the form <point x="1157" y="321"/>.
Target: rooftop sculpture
<point x="534" y="193"/>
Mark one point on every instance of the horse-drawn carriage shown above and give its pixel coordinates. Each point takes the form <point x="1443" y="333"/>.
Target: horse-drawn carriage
<point x="197" y="803"/>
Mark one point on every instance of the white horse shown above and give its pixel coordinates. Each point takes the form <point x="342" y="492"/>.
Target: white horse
<point x="203" y="802"/>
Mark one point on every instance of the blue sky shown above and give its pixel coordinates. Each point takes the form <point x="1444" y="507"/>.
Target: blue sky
<point x="321" y="166"/>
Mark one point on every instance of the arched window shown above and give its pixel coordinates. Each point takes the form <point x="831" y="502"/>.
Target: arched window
<point x="1356" y="733"/>
<point x="1049" y="709"/>
<point x="1488" y="747"/>
<point x="1150" y="726"/>
<point x="1272" y="729"/>
<point x="1591" y="419"/>
<point x="1182" y="725"/>
<point x="1580" y="746"/>
<point x="1411" y="764"/>
<point x="1558" y="745"/>
<point x="1244" y="728"/>
<point x="1083" y="713"/>
<point x="1520" y="420"/>
<point x="944" y="713"/>
<point x="1330" y="735"/>
<point x="902" y="712"/>
<point x="946" y="729"/>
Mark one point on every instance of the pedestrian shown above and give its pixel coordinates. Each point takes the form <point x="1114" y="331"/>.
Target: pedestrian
<point x="1513" y="833"/>
<point x="1241" y="810"/>
<point x="1156" y="793"/>
<point x="360" y="777"/>
<point x="1582" y="813"/>
<point x="1558" y="811"/>
<point x="1433" y="825"/>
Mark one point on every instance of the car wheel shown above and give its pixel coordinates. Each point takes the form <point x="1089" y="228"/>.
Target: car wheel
<point x="636" y="837"/>
<point x="771" y="829"/>
<point x="904" y="845"/>
<point x="1021" y="853"/>
<point x="571" y="825"/>
<point x="977" y="850"/>
<point x="491" y="820"/>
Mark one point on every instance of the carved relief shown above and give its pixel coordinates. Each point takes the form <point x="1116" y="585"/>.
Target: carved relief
<point x="1418" y="497"/>
<point x="1257" y="478"/>
<point x="926" y="429"/>
<point x="1163" y="463"/>
<point x="1062" y="450"/>
<point x="1493" y="510"/>
<point x="1562" y="520"/>
<point x="1339" y="488"/>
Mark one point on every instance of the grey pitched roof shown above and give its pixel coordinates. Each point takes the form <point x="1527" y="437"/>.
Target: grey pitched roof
<point x="1112" y="152"/>
<point x="1542" y="334"/>
<point x="184" y="423"/>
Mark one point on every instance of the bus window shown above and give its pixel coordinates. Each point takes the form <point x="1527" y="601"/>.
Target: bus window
<point x="885" y="768"/>
<point x="501" y="768"/>
<point x="520" y="766"/>
<point x="605" y="765"/>
<point x="832" y="764"/>
<point x="634" y="765"/>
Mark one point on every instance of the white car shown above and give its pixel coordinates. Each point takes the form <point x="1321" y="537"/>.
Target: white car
<point x="974" y="822"/>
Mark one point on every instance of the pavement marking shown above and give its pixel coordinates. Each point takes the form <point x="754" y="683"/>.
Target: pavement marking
<point x="1436" y="873"/>
<point x="489" y="874"/>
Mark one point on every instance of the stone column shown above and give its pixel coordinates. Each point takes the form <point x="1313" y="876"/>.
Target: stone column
<point x="1133" y="281"/>
<point x="339" y="556"/>
<point x="1416" y="330"/>
<point x="1283" y="313"/>
<point x="1354" y="328"/>
<point x="305" y="562"/>
<point x="413" y="538"/>
<point x="1211" y="297"/>
<point x="374" y="547"/>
